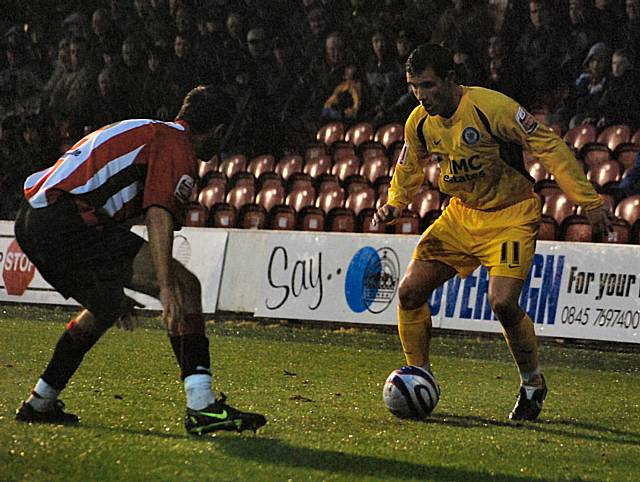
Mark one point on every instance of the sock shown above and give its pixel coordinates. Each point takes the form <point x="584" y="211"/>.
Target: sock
<point x="192" y="353"/>
<point x="523" y="344"/>
<point x="43" y="396"/>
<point x="198" y="390"/>
<point x="414" y="328"/>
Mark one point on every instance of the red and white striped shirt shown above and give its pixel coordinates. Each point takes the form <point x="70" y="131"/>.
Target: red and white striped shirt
<point x="120" y="170"/>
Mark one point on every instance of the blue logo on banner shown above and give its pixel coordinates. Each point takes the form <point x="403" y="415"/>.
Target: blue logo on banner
<point x="372" y="279"/>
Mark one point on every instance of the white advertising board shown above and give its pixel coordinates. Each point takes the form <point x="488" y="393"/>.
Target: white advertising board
<point x="338" y="277"/>
<point x="200" y="250"/>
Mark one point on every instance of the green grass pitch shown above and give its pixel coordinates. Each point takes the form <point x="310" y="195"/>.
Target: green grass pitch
<point x="321" y="390"/>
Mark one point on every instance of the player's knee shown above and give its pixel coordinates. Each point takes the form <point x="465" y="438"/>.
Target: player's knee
<point x="505" y="308"/>
<point x="411" y="294"/>
<point x="191" y="288"/>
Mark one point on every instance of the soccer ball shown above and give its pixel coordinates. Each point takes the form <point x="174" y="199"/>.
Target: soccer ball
<point x="411" y="392"/>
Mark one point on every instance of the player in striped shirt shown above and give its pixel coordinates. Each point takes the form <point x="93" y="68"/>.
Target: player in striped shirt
<point x="74" y="227"/>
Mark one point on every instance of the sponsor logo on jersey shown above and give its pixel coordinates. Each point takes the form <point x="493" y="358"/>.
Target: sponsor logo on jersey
<point x="184" y="188"/>
<point x="402" y="158"/>
<point x="470" y="136"/>
<point x="461" y="170"/>
<point x="526" y="121"/>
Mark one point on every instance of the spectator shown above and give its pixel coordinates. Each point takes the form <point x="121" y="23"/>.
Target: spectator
<point x="183" y="73"/>
<point x="464" y="23"/>
<point x="620" y="101"/>
<point x="502" y="72"/>
<point x="110" y="103"/>
<point x="583" y="32"/>
<point x="134" y="73"/>
<point x="104" y="33"/>
<point x="591" y="84"/>
<point x="157" y="91"/>
<point x="609" y="21"/>
<point x="262" y="63"/>
<point x="380" y="66"/>
<point x="631" y="30"/>
<point x="345" y="102"/>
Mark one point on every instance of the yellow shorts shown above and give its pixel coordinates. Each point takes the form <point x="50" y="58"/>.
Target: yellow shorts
<point x="503" y="241"/>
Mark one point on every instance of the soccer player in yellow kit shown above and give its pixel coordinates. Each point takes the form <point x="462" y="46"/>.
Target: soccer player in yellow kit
<point x="477" y="136"/>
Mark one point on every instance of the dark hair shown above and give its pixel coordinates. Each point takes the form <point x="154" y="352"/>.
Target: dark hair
<point x="205" y="107"/>
<point x="439" y="58"/>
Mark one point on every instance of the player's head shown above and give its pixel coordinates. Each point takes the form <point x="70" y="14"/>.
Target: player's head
<point x="432" y="78"/>
<point x="208" y="111"/>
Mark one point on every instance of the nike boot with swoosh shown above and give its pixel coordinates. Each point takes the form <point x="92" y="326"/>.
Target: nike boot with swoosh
<point x="220" y="416"/>
<point x="529" y="403"/>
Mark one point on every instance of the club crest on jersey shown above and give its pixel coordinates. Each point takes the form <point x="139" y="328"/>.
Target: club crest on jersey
<point x="526" y="121"/>
<point x="470" y="136"/>
<point x="402" y="158"/>
<point x="184" y="188"/>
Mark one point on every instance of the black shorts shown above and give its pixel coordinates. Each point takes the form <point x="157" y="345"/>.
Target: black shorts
<point x="91" y="264"/>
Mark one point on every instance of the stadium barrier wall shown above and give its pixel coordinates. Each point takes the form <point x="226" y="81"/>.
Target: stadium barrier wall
<point x="574" y="290"/>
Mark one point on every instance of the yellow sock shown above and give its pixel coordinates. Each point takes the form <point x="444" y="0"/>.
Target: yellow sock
<point x="523" y="344"/>
<point x="414" y="328"/>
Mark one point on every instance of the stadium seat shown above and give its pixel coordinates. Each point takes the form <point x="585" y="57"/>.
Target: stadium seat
<point x="301" y="198"/>
<point x="370" y="150"/>
<point x="243" y="178"/>
<point x="558" y="206"/>
<point x="365" y="222"/>
<point x="355" y="183"/>
<point x="635" y="138"/>
<point x="388" y="134"/>
<point x="576" y="228"/>
<point x="314" y="150"/>
<point x="374" y="168"/>
<point x="327" y="182"/>
<point x="605" y="172"/>
<point x="383" y="196"/>
<point x="289" y="165"/>
<point x="407" y="223"/>
<point x="346" y="167"/>
<point x="364" y="198"/>
<point x="608" y="199"/>
<point x="342" y="149"/>
<point x="432" y="173"/>
<point x="382" y="185"/>
<point x="268" y="197"/>
<point x="395" y="151"/>
<point x="318" y="166"/>
<point x="310" y="218"/>
<point x="341" y="220"/>
<point x="330" y="199"/>
<point x="270" y="179"/>
<point x="261" y="164"/>
<point x="359" y="133"/>
<point x="614" y="135"/>
<point x="425" y="200"/>
<point x="629" y="209"/>
<point x="232" y="165"/>
<point x="205" y="167"/>
<point x="330" y="133"/>
<point x="578" y="136"/>
<point x="239" y="196"/>
<point x="548" y="229"/>
<point x="283" y="218"/>
<point x="622" y="231"/>
<point x="222" y="216"/>
<point x="626" y="154"/>
<point x="545" y="187"/>
<point x="211" y="194"/>
<point x="252" y="216"/>
<point x="196" y="215"/>
<point x="595" y="153"/>
<point x="537" y="171"/>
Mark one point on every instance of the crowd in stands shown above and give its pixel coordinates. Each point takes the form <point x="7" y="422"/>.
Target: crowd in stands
<point x="294" y="66"/>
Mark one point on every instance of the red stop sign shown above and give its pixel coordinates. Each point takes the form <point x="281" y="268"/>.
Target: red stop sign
<point x="17" y="270"/>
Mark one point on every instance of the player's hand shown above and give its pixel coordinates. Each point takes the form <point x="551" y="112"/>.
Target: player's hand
<point x="172" y="306"/>
<point x="601" y="218"/>
<point x="386" y="214"/>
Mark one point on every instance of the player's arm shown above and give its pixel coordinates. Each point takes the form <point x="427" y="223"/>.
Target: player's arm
<point x="408" y="174"/>
<point x="160" y="223"/>
<point x="518" y="125"/>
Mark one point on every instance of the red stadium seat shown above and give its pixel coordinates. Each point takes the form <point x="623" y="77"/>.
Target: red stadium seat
<point x="359" y="133"/>
<point x="205" y="167"/>
<point x="268" y="197"/>
<point x="261" y="164"/>
<point x="389" y="134"/>
<point x="578" y="136"/>
<point x="356" y="183"/>
<point x="299" y="180"/>
<point x="346" y="167"/>
<point x="635" y="138"/>
<point x="545" y="187"/>
<point x="558" y="206"/>
<point x="576" y="228"/>
<point x="244" y="178"/>
<point x="626" y="154"/>
<point x="301" y="198"/>
<point x="270" y="179"/>
<point x="310" y="219"/>
<point x="211" y="195"/>
<point x="629" y="209"/>
<point x="341" y="220"/>
<point x="537" y="171"/>
<point x="239" y="196"/>
<point x="318" y="166"/>
<point x="608" y="201"/>
<point x="383" y="196"/>
<point x="314" y="150"/>
<point x="595" y="153"/>
<point x="548" y="229"/>
<point x="330" y="133"/>
<point x="614" y="135"/>
<point x="252" y="216"/>
<point x="370" y="150"/>
<point x="365" y="223"/>
<point x="605" y="172"/>
<point x="364" y="198"/>
<point x="196" y="215"/>
<point x="374" y="168"/>
<point x="342" y="149"/>
<point x="289" y="165"/>
<point x="432" y="173"/>
<point x="328" y="182"/>
<point x="330" y="199"/>
<point x="407" y="223"/>
<point x="425" y="200"/>
<point x="283" y="218"/>
<point x="223" y="216"/>
<point x="233" y="164"/>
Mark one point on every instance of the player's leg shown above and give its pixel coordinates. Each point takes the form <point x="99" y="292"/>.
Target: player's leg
<point x="414" y="316"/>
<point x="191" y="348"/>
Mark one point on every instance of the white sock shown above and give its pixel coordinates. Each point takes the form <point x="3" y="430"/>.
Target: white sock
<point x="198" y="390"/>
<point x="43" y="396"/>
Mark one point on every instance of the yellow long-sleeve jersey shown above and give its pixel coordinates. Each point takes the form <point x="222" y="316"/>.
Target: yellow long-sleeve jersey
<point x="479" y="150"/>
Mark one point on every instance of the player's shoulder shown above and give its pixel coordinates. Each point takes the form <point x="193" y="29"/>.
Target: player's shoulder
<point x="418" y="114"/>
<point x="488" y="98"/>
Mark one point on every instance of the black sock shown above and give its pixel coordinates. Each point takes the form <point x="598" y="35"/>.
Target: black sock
<point x="66" y="359"/>
<point x="192" y="353"/>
